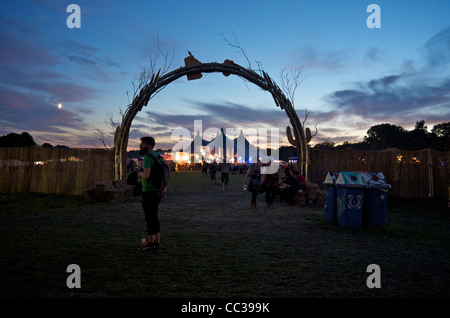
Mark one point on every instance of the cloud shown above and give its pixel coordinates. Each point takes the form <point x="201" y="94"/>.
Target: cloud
<point x="437" y="49"/>
<point x="226" y="114"/>
<point x="384" y="82"/>
<point x="26" y="112"/>
<point x="19" y="50"/>
<point x="86" y="56"/>
<point x="374" y="54"/>
<point x="35" y="77"/>
<point x="221" y="115"/>
<point x="382" y="97"/>
<point x="233" y="113"/>
<point x="81" y="60"/>
<point x="415" y="94"/>
<point x="313" y="59"/>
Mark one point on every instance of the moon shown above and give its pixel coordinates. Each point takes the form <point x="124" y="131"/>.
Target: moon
<point x="59" y="105"/>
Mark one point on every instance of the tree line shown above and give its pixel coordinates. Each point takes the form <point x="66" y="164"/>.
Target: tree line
<point x="385" y="136"/>
<point x="22" y="140"/>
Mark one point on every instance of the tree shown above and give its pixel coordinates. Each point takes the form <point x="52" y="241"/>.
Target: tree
<point x="16" y="140"/>
<point x="441" y="130"/>
<point x="390" y="136"/>
<point x="420" y="126"/>
<point x="326" y="145"/>
<point x="419" y="138"/>
<point x="442" y="136"/>
<point x="385" y="136"/>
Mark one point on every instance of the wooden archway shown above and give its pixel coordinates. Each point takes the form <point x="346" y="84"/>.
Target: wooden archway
<point x="194" y="71"/>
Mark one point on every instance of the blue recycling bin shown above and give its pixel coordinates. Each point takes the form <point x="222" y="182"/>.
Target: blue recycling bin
<point x="349" y="205"/>
<point x="375" y="207"/>
<point x="330" y="200"/>
<point x="350" y="199"/>
<point x="375" y="204"/>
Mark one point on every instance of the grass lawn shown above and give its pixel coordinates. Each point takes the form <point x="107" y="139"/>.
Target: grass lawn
<point x="215" y="246"/>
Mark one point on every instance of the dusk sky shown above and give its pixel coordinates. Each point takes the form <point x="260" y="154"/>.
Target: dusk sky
<point x="353" y="76"/>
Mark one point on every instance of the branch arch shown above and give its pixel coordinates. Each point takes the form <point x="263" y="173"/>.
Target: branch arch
<point x="158" y="82"/>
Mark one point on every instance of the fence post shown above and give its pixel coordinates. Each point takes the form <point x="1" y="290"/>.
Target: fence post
<point x="430" y="173"/>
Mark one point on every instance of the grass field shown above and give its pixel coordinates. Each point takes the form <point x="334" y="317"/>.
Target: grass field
<point x="215" y="246"/>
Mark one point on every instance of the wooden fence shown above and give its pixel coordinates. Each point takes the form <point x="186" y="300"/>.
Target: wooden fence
<point x="412" y="174"/>
<point x="53" y="170"/>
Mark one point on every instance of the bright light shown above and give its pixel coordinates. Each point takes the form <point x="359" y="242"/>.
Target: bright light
<point x="181" y="157"/>
<point x="59" y="105"/>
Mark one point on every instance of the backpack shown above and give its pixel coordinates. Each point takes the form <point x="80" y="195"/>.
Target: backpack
<point x="160" y="172"/>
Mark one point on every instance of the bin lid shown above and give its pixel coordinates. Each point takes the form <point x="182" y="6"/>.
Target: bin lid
<point x="376" y="180"/>
<point x="351" y="178"/>
<point x="331" y="177"/>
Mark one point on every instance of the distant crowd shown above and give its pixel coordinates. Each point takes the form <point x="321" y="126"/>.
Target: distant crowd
<point x="283" y="184"/>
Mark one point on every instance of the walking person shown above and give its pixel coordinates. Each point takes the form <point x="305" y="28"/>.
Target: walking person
<point x="151" y="194"/>
<point x="205" y="169"/>
<point x="212" y="172"/>
<point x="225" y="173"/>
<point x="252" y="181"/>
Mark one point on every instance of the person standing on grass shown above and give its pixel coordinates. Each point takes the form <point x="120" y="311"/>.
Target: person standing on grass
<point x="253" y="182"/>
<point x="270" y="186"/>
<point x="205" y="169"/>
<point x="225" y="173"/>
<point x="212" y="172"/>
<point x="151" y="194"/>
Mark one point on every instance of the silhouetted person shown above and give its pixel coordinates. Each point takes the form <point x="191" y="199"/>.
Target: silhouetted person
<point x="290" y="187"/>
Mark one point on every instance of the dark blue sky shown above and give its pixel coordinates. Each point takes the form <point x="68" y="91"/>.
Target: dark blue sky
<point x="352" y="76"/>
